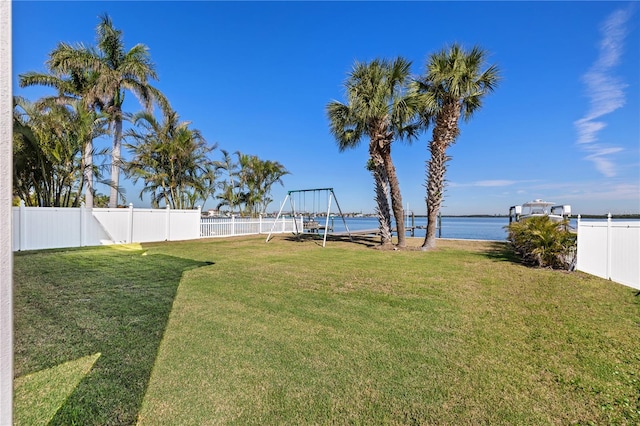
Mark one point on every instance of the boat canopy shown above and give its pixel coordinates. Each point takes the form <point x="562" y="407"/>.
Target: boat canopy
<point x="556" y="212"/>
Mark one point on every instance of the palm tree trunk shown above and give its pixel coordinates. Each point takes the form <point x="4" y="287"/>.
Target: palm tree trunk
<point x="435" y="189"/>
<point x="445" y="133"/>
<point x="382" y="208"/>
<point x="115" y="163"/>
<point x="382" y="197"/>
<point x="396" y="197"/>
<point x="88" y="174"/>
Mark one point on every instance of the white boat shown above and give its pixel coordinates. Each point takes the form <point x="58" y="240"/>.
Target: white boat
<point x="555" y="212"/>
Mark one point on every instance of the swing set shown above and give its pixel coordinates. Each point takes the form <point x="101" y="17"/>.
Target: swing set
<point x="309" y="223"/>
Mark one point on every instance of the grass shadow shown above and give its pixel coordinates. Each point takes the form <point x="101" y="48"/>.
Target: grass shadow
<point x="502" y="252"/>
<point x="367" y="241"/>
<point x="70" y="304"/>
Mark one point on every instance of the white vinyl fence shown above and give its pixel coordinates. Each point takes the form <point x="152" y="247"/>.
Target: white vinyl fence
<point x="610" y="249"/>
<point x="233" y="226"/>
<point x="36" y="228"/>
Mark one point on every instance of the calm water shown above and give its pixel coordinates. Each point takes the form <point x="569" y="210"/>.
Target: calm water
<point x="468" y="228"/>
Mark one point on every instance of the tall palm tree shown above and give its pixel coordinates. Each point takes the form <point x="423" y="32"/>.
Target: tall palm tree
<point x="87" y="125"/>
<point x="380" y="107"/>
<point x="453" y="87"/>
<point x="375" y="165"/>
<point x="172" y="160"/>
<point x="116" y="70"/>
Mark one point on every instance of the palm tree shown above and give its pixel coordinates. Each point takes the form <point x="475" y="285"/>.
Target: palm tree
<point x="243" y="194"/>
<point x="261" y="176"/>
<point x="49" y="139"/>
<point x="375" y="165"/>
<point x="87" y="125"/>
<point x="116" y="71"/>
<point x="74" y="90"/>
<point x="171" y="159"/>
<point x="380" y="107"/>
<point x="228" y="185"/>
<point x="31" y="164"/>
<point x="452" y="88"/>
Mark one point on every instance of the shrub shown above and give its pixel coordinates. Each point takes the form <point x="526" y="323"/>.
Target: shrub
<point x="542" y="242"/>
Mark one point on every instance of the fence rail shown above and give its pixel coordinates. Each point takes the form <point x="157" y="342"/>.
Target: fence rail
<point x="234" y="226"/>
<point x="610" y="249"/>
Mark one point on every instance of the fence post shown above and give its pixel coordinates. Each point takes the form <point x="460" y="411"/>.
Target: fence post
<point x="609" y="246"/>
<point x="83" y="225"/>
<point x="167" y="229"/>
<point x="130" y="225"/>
<point x="578" y="244"/>
<point x="199" y="221"/>
<point x="260" y="223"/>
<point x="23" y="227"/>
<point x="233" y="225"/>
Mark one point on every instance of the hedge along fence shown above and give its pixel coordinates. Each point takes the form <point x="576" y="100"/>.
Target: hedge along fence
<point x="36" y="228"/>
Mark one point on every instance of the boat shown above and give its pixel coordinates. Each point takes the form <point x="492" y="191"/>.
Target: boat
<point x="555" y="212"/>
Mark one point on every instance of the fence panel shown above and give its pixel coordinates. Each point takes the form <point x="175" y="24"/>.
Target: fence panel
<point x="114" y="222"/>
<point x="94" y="233"/>
<point x="183" y="225"/>
<point x="234" y="226"/>
<point x="610" y="249"/>
<point x="37" y="228"/>
<point x="48" y="228"/>
<point x="625" y="254"/>
<point x="592" y="248"/>
<point x="149" y="225"/>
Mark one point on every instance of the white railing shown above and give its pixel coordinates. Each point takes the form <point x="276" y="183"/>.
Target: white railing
<point x="235" y="226"/>
<point x="36" y="228"/>
<point x="610" y="249"/>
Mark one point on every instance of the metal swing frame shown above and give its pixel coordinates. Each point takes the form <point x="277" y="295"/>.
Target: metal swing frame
<point x="330" y="195"/>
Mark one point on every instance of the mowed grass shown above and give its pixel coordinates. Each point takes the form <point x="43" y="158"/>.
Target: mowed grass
<point x="109" y="305"/>
<point x="290" y="333"/>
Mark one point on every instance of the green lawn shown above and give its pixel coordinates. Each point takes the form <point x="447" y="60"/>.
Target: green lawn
<point x="237" y="331"/>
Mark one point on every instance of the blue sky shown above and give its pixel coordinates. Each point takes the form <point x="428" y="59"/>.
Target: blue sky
<point x="563" y="125"/>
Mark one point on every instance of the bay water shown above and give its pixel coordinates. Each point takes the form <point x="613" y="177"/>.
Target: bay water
<point x="456" y="227"/>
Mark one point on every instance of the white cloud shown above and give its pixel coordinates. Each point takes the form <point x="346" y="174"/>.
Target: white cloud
<point x="599" y="157"/>
<point x="605" y="91"/>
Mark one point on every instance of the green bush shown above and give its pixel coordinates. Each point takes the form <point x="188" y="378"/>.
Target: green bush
<point x="542" y="242"/>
